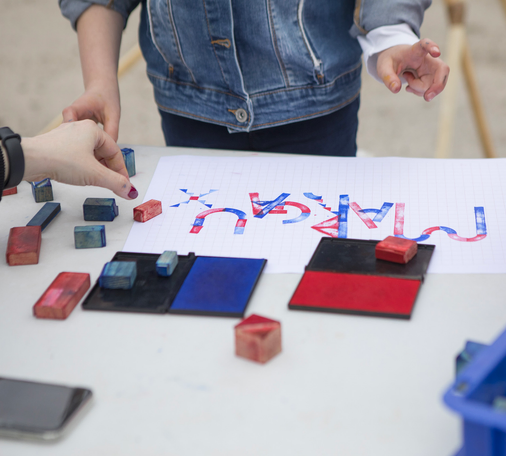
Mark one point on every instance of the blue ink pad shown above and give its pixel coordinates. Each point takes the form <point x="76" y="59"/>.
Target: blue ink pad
<point x="218" y="287"/>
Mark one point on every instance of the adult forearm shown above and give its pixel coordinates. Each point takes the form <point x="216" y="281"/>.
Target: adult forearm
<point x="99" y="35"/>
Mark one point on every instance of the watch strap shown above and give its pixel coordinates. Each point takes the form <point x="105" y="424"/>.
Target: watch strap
<point x="11" y="143"/>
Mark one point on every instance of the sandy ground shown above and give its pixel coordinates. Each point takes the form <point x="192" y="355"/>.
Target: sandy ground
<point x="40" y="75"/>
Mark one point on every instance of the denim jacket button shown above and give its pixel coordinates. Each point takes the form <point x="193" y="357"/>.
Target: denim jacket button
<point x="241" y="115"/>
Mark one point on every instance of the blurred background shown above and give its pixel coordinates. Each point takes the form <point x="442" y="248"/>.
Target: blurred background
<point x="40" y="75"/>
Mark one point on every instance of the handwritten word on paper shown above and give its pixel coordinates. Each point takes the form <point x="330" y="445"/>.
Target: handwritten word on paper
<point x="279" y="208"/>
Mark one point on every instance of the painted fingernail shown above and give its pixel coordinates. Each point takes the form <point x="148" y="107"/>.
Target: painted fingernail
<point x="430" y="96"/>
<point x="133" y="193"/>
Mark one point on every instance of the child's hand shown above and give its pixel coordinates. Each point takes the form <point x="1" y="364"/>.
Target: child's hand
<point x="425" y="73"/>
<point x="100" y="105"/>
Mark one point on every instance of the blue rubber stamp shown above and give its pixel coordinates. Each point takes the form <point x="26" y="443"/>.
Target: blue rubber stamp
<point x="89" y="237"/>
<point x="129" y="157"/>
<point x="42" y="218"/>
<point x="42" y="191"/>
<point x="118" y="275"/>
<point x="100" y="209"/>
<point x="166" y="263"/>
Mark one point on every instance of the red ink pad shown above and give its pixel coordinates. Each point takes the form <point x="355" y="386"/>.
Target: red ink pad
<point x="344" y="276"/>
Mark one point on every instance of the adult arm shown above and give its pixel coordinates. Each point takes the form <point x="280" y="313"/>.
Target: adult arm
<point x="76" y="153"/>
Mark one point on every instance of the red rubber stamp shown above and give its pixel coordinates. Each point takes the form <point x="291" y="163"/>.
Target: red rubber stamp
<point x="147" y="210"/>
<point x="62" y="295"/>
<point x="10" y="191"/>
<point x="23" y="246"/>
<point x="258" y="338"/>
<point x="395" y="249"/>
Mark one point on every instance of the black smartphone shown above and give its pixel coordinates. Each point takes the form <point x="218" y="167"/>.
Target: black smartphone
<point x="33" y="410"/>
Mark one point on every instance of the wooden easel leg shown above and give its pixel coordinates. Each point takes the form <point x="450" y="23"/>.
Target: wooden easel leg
<point x="460" y="61"/>
<point x="455" y="47"/>
<point x="504" y="4"/>
<point x="478" y="110"/>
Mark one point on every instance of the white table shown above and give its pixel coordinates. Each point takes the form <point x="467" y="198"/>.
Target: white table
<point x="171" y="385"/>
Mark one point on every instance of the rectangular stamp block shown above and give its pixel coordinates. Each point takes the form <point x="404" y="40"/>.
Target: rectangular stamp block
<point x="42" y="218"/>
<point x="23" y="246"/>
<point x="10" y="191"/>
<point x="166" y="263"/>
<point x="395" y="249"/>
<point x="147" y="210"/>
<point x="258" y="338"/>
<point x="89" y="237"/>
<point x="118" y="275"/>
<point x="100" y="209"/>
<point x="42" y="191"/>
<point x="129" y="157"/>
<point x="62" y="296"/>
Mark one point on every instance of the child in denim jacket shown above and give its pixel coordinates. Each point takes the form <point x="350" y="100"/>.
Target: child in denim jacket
<point x="275" y="75"/>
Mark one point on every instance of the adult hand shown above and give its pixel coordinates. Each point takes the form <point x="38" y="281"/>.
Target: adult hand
<point x="78" y="153"/>
<point x="425" y="73"/>
<point x="100" y="104"/>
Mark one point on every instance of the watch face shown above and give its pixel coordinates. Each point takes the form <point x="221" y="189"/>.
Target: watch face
<point x="37" y="409"/>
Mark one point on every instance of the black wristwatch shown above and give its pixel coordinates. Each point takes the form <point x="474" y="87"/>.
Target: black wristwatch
<point x="11" y="143"/>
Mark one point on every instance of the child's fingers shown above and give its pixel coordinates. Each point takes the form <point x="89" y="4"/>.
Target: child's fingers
<point x="69" y="114"/>
<point x="414" y="92"/>
<point x="439" y="82"/>
<point x="423" y="47"/>
<point x="79" y="110"/>
<point x="388" y="75"/>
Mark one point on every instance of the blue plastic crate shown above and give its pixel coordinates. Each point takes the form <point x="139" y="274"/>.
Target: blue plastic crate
<point x="478" y="396"/>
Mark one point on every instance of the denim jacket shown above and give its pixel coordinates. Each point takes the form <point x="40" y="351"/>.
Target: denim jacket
<point x="252" y="64"/>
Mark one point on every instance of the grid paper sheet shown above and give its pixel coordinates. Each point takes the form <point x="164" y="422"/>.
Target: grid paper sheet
<point x="279" y="208"/>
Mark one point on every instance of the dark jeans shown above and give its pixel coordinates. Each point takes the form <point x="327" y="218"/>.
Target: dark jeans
<point x="334" y="135"/>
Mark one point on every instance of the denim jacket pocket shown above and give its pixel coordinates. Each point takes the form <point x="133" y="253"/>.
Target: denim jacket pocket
<point x="166" y="40"/>
<point x="317" y="62"/>
<point x="298" y="59"/>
